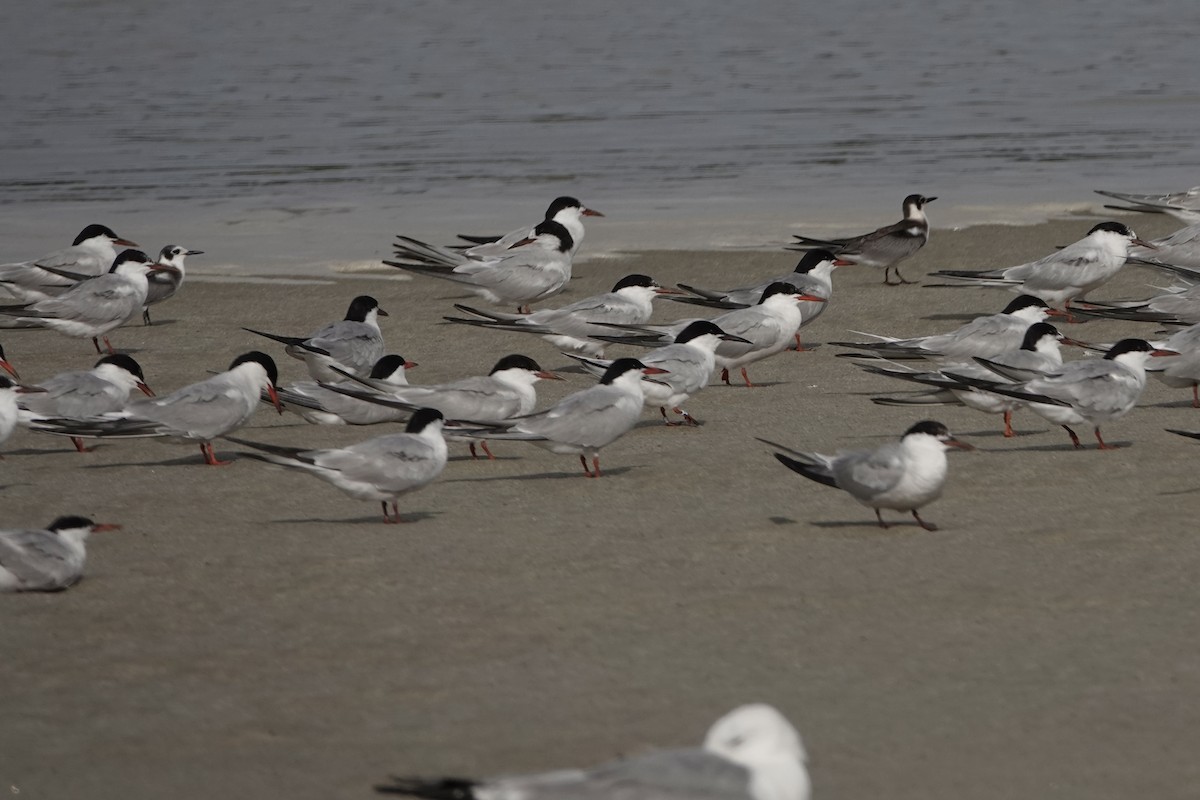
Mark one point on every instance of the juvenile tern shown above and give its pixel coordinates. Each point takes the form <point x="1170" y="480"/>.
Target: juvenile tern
<point x="532" y="269"/>
<point x="566" y="211"/>
<point x="46" y="560"/>
<point x="91" y="254"/>
<point x="383" y="468"/>
<point x="570" y="327"/>
<point x="1066" y="274"/>
<point x="165" y="281"/>
<point x="92" y="307"/>
<point x="689" y="365"/>
<point x="354" y="343"/>
<point x="199" y="412"/>
<point x="80" y="394"/>
<point x="584" y="422"/>
<point x="885" y="247"/>
<point x="751" y="753"/>
<point x="985" y="336"/>
<point x="1094" y="390"/>
<point x="903" y="476"/>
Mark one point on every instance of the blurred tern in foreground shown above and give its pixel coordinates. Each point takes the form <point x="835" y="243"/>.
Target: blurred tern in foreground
<point x="383" y="468"/>
<point x="751" y="753"/>
<point x="199" y="412"/>
<point x="813" y="275"/>
<point x="1095" y="390"/>
<point x="689" y="365"/>
<point x="9" y="410"/>
<point x="903" y="476"/>
<point x="92" y="307"/>
<point x="1181" y="205"/>
<point x="165" y="281"/>
<point x="1039" y="351"/>
<point x="985" y="336"/>
<point x="354" y="343"/>
<point x="885" y="247"/>
<point x="324" y="405"/>
<point x="1066" y="274"/>
<point x="46" y="560"/>
<point x="569" y="327"/>
<point x="566" y="211"/>
<point x="532" y="269"/>
<point x="80" y="394"/>
<point x="505" y="392"/>
<point x="1179" y="304"/>
<point x="91" y="254"/>
<point x="584" y="422"/>
<point x="761" y="331"/>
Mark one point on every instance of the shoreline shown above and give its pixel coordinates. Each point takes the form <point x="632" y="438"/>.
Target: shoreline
<point x="254" y="632"/>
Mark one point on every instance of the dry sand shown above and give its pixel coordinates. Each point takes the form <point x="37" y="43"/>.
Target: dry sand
<point x="254" y="633"/>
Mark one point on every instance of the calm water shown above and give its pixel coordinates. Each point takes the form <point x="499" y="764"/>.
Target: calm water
<point x="306" y="134"/>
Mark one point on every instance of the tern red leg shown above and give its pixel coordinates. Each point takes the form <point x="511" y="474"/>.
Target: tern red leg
<point x="879" y="517"/>
<point x="725" y="376"/>
<point x="210" y="457"/>
<point x="1008" y="431"/>
<point x="1100" y="439"/>
<point x="1074" y="438"/>
<point x="746" y="378"/>
<point x="79" y="448"/>
<point x="486" y="450"/>
<point x="929" y="526"/>
<point x="394" y="518"/>
<point x="586" y="471"/>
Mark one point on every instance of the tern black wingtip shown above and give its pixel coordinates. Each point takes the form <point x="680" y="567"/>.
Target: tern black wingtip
<point x="439" y="789"/>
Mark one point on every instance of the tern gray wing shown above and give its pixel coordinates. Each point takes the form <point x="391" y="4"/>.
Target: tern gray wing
<point x="868" y="473"/>
<point x="591" y="418"/>
<point x="39" y="559"/>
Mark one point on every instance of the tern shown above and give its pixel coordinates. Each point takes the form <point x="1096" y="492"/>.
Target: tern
<point x="91" y="254"/>
<point x="689" y="365"/>
<point x="1066" y="274"/>
<point x="92" y="307"/>
<point x="566" y="211"/>
<point x="885" y="247"/>
<point x="10" y="412"/>
<point x="532" y="269"/>
<point x="354" y="343"/>
<point x="902" y="476"/>
<point x="46" y="560"/>
<point x="985" y="336"/>
<point x="1183" y="205"/>
<point x="761" y="330"/>
<point x="569" y="327"/>
<point x="584" y="422"/>
<point x="505" y="392"/>
<point x="324" y="405"/>
<point x="1095" y="390"/>
<point x="751" y="753"/>
<point x="199" y="412"/>
<point x="383" y="468"/>
<point x="81" y="394"/>
<point x="165" y="281"/>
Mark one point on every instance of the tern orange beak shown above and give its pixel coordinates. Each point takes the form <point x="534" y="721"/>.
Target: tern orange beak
<point x="654" y="371"/>
<point x="274" y="395"/>
<point x="843" y="262"/>
<point x="146" y="390"/>
<point x="410" y="364"/>
<point x="105" y="526"/>
<point x="591" y="212"/>
<point x="1161" y="353"/>
<point x="549" y="376"/>
<point x="811" y="298"/>
<point x="9" y="369"/>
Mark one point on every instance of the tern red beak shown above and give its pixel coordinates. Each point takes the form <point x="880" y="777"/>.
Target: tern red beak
<point x="591" y="212"/>
<point x="1161" y="353"/>
<point x="1143" y="243"/>
<point x="812" y="298"/>
<point x="654" y="371"/>
<point x="105" y="526"/>
<point x="843" y="262"/>
<point x="549" y="376"/>
<point x="126" y="243"/>
<point x="958" y="444"/>
<point x="146" y="390"/>
<point x="9" y="369"/>
<point x="274" y="397"/>
<point x="410" y="364"/>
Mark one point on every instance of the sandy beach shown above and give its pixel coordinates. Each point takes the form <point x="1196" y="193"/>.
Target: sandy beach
<point x="254" y="633"/>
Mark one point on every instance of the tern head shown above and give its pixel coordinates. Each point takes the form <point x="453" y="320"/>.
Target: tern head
<point x="1031" y="308"/>
<point x="754" y="734"/>
<point x="424" y="418"/>
<point x="569" y="205"/>
<point x="815" y="258"/>
<point x="1121" y="231"/>
<point x="390" y="367"/>
<point x="913" y="205"/>
<point x="523" y="364"/>
<point x="126" y="364"/>
<point x="363" y="308"/>
<point x="936" y="431"/>
<point x="549" y="234"/>
<point x="267" y="364"/>
<point x="78" y="528"/>
<point x="636" y="285"/>
<point x="173" y="255"/>
<point x="95" y="231"/>
<point x="131" y="262"/>
<point x="778" y="287"/>
<point x="628" y="366"/>
<point x="1136" y="351"/>
<point x="703" y="327"/>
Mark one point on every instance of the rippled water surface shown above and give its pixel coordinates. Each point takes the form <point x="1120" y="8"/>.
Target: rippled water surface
<point x="381" y="113"/>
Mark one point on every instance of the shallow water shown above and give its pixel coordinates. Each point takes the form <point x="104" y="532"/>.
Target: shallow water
<point x="297" y="135"/>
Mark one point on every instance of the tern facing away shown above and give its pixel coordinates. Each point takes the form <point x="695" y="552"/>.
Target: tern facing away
<point x="751" y="753"/>
<point x="382" y="469"/>
<point x="532" y="269"/>
<point x="903" y="476"/>
<point x="885" y="247"/>
<point x="46" y="560"/>
<point x="354" y="343"/>
<point x="1066" y="274"/>
<point x="199" y="412"/>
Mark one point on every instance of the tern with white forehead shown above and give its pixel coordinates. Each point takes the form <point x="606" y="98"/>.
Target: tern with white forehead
<point x="885" y="247"/>
<point x="166" y="281"/>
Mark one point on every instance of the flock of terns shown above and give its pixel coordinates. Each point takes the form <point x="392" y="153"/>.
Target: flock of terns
<point x="996" y="364"/>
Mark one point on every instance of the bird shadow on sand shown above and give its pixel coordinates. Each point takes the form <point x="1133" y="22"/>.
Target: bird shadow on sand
<point x="739" y="385"/>
<point x="870" y="526"/>
<point x="955" y="317"/>
<point x="406" y="517"/>
<point x="161" y="323"/>
<point x="1171" y="404"/>
<point x="539" y="476"/>
<point x="995" y="433"/>
<point x="182" y="461"/>
<point x="1063" y="447"/>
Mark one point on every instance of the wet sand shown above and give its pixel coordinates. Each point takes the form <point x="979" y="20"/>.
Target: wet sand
<point x="252" y="632"/>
